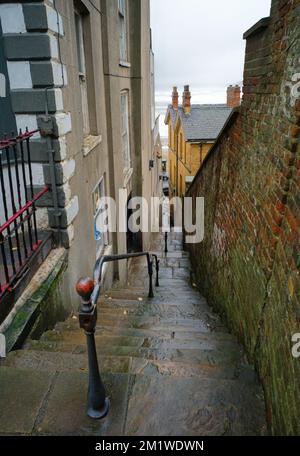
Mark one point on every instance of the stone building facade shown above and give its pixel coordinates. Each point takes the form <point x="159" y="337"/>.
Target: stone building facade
<point x="248" y="263"/>
<point x="82" y="73"/>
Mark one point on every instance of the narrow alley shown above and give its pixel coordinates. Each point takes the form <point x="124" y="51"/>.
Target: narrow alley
<point x="149" y="224"/>
<point x="169" y="365"/>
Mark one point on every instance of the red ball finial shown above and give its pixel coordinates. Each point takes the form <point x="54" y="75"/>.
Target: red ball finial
<point x="85" y="287"/>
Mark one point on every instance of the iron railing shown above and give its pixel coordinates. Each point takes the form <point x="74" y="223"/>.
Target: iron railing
<point x="19" y="236"/>
<point x="89" y="290"/>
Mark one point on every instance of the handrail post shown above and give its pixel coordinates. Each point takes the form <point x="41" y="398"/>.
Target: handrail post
<point x="97" y="402"/>
<point x="150" y="273"/>
<point x="166" y="242"/>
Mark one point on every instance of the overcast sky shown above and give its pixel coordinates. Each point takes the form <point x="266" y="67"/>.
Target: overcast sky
<point x="199" y="42"/>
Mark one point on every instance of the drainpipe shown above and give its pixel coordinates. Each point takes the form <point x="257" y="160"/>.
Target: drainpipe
<point x="51" y="152"/>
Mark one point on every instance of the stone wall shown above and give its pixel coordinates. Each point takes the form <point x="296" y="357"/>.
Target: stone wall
<point x="249" y="262"/>
<point x="32" y="33"/>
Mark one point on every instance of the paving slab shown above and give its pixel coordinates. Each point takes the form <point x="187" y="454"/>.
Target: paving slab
<point x="65" y="413"/>
<point x="23" y="392"/>
<point x="168" y="406"/>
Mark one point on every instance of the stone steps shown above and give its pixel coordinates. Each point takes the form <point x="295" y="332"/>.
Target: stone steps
<point x="169" y="365"/>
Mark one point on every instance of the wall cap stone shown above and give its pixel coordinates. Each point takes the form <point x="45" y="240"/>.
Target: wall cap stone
<point x="261" y="25"/>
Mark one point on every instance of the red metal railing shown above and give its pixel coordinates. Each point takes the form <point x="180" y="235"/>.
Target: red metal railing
<point x="19" y="236"/>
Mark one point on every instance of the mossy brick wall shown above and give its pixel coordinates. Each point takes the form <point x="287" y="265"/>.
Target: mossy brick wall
<point x="249" y="262"/>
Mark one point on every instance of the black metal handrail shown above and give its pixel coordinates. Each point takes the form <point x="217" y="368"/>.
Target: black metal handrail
<point x="19" y="236"/>
<point x="111" y="258"/>
<point x="89" y="290"/>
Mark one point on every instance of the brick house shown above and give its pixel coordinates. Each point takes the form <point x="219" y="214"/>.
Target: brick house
<point x="193" y="129"/>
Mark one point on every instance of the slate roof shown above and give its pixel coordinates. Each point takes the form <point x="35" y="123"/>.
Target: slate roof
<point x="204" y="122"/>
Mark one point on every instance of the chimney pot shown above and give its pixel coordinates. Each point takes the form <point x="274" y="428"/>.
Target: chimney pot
<point x="186" y="99"/>
<point x="175" y="98"/>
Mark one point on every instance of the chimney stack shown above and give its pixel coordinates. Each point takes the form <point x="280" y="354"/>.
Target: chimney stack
<point x="233" y="96"/>
<point x="186" y="99"/>
<point x="175" y="98"/>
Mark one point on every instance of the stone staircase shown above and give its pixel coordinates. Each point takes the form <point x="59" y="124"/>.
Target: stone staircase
<point x="169" y="365"/>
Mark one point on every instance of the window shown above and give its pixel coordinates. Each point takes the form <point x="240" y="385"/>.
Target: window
<point x="101" y="237"/>
<point x="80" y="43"/>
<point x="122" y="31"/>
<point x="82" y="71"/>
<point x="125" y="131"/>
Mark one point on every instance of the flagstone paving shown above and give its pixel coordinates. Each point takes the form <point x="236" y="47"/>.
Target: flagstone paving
<point x="169" y="365"/>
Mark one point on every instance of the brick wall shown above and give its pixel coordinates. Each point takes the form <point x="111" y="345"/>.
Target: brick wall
<point x="249" y="263"/>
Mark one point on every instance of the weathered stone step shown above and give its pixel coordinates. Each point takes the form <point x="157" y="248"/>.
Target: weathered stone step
<point x="204" y="355"/>
<point x="56" y="347"/>
<point x="160" y="297"/>
<point x="179" y="254"/>
<point x="55" y="403"/>
<point x="116" y="323"/>
<point x="153" y="323"/>
<point x="134" y="309"/>
<point x="172" y="297"/>
<point x="205" y="341"/>
<point x="144" y="338"/>
<point x="182" y="284"/>
<point x="165" y="273"/>
<point x="161" y="333"/>
<point x="184" y="289"/>
<point x="197" y="358"/>
<point x="56" y="361"/>
<point x="163" y="308"/>
<point x="210" y="356"/>
<point x="243" y="372"/>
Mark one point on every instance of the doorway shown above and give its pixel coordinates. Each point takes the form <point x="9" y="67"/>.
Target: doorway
<point x="134" y="240"/>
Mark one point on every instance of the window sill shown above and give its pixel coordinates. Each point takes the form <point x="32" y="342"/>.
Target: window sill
<point x="125" y="64"/>
<point x="90" y="142"/>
